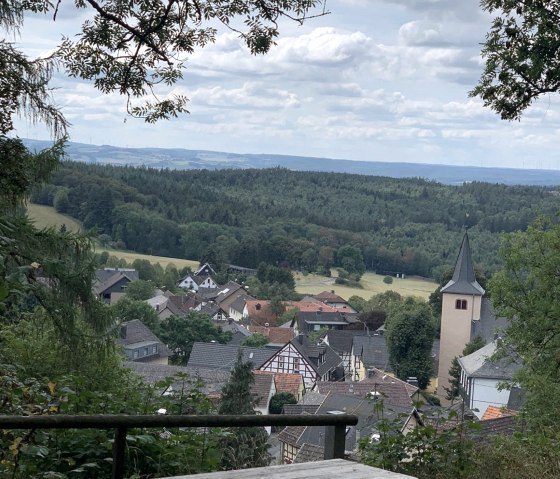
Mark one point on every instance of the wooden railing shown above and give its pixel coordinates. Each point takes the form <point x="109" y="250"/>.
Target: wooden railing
<point x="335" y="430"/>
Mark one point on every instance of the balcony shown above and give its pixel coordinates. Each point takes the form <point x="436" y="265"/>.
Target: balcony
<point x="333" y="467"/>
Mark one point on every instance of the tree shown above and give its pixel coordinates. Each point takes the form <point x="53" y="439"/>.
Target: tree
<point x="181" y="332"/>
<point x="521" y="54"/>
<point x="140" y="290"/>
<point x="255" y="340"/>
<point x="278" y="400"/>
<point x="127" y="309"/>
<point x="410" y="336"/>
<point x="242" y="447"/>
<point x="134" y="49"/>
<point x="526" y="291"/>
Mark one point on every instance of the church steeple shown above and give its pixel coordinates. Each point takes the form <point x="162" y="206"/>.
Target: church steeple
<point x="464" y="280"/>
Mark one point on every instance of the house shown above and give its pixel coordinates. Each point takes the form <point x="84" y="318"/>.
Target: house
<point x="205" y="270"/>
<point x="262" y="391"/>
<point x="481" y="377"/>
<point x="195" y="283"/>
<point x="168" y="304"/>
<point x="342" y="342"/>
<point x="313" y="362"/>
<point x="140" y="344"/>
<point x="238" y="331"/>
<point x="368" y="353"/>
<point x="390" y="390"/>
<point x="237" y="307"/>
<point x="216" y="356"/>
<point x="465" y="314"/>
<point x="295" y="438"/>
<point x="110" y="283"/>
<point x="277" y="336"/>
<point x="334" y="300"/>
<point x="287" y="383"/>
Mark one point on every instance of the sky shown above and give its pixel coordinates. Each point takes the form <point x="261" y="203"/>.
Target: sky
<point x="375" y="80"/>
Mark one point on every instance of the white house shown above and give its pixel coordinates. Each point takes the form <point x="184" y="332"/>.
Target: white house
<point x="481" y="377"/>
<point x="194" y="282"/>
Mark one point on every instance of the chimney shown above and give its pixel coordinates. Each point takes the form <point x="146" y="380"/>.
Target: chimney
<point x="122" y="331"/>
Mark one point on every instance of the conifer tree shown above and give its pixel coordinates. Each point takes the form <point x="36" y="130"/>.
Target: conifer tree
<point x="242" y="447"/>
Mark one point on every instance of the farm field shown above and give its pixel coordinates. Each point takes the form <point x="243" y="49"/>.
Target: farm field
<point x="46" y="216"/>
<point x="372" y="283"/>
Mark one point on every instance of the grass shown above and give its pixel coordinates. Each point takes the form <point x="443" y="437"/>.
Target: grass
<point x="372" y="284"/>
<point x="45" y="216"/>
<point x="130" y="256"/>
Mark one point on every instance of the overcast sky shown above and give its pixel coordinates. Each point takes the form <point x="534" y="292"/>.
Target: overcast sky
<point x="383" y="80"/>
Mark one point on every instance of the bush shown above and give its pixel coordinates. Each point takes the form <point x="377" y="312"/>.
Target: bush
<point x="388" y="280"/>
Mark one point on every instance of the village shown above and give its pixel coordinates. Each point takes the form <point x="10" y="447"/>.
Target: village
<point x="327" y="361"/>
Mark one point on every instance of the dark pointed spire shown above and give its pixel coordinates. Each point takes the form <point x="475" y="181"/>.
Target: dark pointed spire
<point x="464" y="280"/>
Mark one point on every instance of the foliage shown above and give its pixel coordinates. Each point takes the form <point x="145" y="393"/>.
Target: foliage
<point x="357" y="303"/>
<point x="255" y="219"/>
<point x="388" y="280"/>
<point x="410" y="335"/>
<point x="127" y="309"/>
<point x="521" y="55"/>
<point x="315" y="336"/>
<point x="140" y="290"/>
<point x="256" y="340"/>
<point x="448" y="448"/>
<point x="526" y="292"/>
<point x="181" y="332"/>
<point x="428" y="452"/>
<point x="278" y="400"/>
<point x="242" y="447"/>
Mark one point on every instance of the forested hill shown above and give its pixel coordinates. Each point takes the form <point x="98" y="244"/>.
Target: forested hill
<point x="305" y="220"/>
<point x="182" y="159"/>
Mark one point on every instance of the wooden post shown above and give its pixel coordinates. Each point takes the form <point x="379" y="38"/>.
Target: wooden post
<point x="335" y="441"/>
<point x="119" y="446"/>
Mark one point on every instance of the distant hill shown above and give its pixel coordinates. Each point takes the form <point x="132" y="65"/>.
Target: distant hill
<point x="182" y="159"/>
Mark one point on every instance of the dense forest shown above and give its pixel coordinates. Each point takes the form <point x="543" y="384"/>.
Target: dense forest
<point x="305" y="220"/>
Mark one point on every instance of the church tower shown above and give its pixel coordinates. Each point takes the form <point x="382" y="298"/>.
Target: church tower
<point x="460" y="311"/>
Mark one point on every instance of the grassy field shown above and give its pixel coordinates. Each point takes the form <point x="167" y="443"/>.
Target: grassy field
<point x="372" y="284"/>
<point x="44" y="216"/>
<point x="130" y="256"/>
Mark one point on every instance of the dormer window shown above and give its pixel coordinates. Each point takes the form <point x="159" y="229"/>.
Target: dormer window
<point x="461" y="304"/>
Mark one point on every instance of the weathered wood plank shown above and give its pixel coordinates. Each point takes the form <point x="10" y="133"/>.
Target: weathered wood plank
<point x="332" y="469"/>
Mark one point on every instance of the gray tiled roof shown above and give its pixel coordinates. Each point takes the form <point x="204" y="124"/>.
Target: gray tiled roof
<point x="480" y="364"/>
<point x="341" y="340"/>
<point x="393" y="393"/>
<point x="223" y="356"/>
<point x="309" y="453"/>
<point x="294" y="409"/>
<point x="373" y="351"/>
<point x="260" y="389"/>
<point x="463" y="280"/>
<point x="211" y="381"/>
<point x="488" y="325"/>
<point x="331" y="360"/>
<point x="516" y="399"/>
<point x="368" y="416"/>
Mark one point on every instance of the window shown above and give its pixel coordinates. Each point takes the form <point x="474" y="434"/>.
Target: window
<point x="461" y="304"/>
<point x="154" y="349"/>
<point x="135" y="354"/>
<point x="281" y="362"/>
<point x="295" y="363"/>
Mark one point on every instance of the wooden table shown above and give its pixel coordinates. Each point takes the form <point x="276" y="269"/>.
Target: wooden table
<point x="331" y="469"/>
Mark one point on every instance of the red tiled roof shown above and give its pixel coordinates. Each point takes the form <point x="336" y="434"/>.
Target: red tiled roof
<point x="329" y="297"/>
<point x="276" y="335"/>
<point x="284" y="382"/>
<point x="494" y="412"/>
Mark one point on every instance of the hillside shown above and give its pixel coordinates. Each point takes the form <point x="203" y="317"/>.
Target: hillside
<point x="183" y="159"/>
<point x="303" y="220"/>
